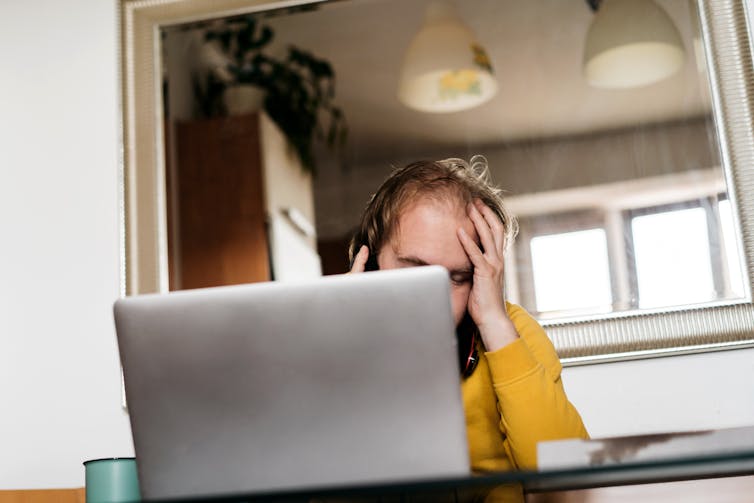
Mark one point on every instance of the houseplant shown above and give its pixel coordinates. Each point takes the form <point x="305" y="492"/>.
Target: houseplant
<point x="299" y="89"/>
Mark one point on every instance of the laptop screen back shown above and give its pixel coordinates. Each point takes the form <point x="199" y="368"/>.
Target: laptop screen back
<point x="346" y="380"/>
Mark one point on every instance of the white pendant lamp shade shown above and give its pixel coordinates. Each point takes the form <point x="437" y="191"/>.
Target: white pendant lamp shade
<point x="631" y="43"/>
<point x="445" y="69"/>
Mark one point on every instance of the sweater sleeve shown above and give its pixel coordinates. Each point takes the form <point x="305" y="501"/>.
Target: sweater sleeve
<point x="531" y="400"/>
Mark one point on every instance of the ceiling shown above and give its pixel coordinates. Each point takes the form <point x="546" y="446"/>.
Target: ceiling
<point x="536" y="50"/>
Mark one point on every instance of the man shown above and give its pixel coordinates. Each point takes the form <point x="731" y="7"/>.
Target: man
<point x="447" y="213"/>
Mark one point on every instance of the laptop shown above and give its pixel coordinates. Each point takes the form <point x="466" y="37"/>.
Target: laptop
<point x="337" y="382"/>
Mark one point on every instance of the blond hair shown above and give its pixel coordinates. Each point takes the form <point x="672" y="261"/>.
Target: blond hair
<point x="446" y="180"/>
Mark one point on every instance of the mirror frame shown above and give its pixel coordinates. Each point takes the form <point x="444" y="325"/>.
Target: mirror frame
<point x="617" y="336"/>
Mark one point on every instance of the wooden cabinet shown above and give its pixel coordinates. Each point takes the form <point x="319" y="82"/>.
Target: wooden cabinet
<point x="231" y="183"/>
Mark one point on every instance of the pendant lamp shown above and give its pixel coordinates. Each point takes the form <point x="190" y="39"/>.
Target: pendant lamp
<point x="445" y="69"/>
<point x="631" y="43"/>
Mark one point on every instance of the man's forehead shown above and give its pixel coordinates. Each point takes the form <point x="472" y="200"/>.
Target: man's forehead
<point x="424" y="252"/>
<point x="444" y="201"/>
<point x="429" y="214"/>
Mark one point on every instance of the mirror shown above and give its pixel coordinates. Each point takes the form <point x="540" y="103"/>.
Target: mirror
<point x="635" y="179"/>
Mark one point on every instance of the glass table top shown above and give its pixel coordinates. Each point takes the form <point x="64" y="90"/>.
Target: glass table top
<point x="697" y="466"/>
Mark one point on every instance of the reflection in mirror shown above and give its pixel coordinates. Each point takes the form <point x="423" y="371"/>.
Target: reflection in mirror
<point x="618" y="187"/>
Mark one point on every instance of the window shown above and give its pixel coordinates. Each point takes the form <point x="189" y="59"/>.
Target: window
<point x="627" y="257"/>
<point x="571" y="271"/>
<point x="672" y="258"/>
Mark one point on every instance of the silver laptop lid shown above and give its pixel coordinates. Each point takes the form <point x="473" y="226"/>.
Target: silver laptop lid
<point x="345" y="380"/>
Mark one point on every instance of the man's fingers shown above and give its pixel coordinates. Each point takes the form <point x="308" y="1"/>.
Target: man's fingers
<point x="498" y="229"/>
<point x="472" y="250"/>
<point x="360" y="260"/>
<point x="482" y="228"/>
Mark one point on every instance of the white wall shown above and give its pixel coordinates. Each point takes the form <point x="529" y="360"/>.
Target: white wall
<point x="679" y="393"/>
<point x="59" y="373"/>
<point x="59" y="381"/>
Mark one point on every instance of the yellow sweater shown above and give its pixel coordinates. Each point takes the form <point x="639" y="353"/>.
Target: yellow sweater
<point x="513" y="400"/>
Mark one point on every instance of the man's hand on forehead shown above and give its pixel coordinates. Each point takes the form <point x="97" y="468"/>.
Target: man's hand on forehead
<point x="486" y="301"/>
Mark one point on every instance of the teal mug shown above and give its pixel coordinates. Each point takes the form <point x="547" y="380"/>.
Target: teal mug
<point x="111" y="480"/>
